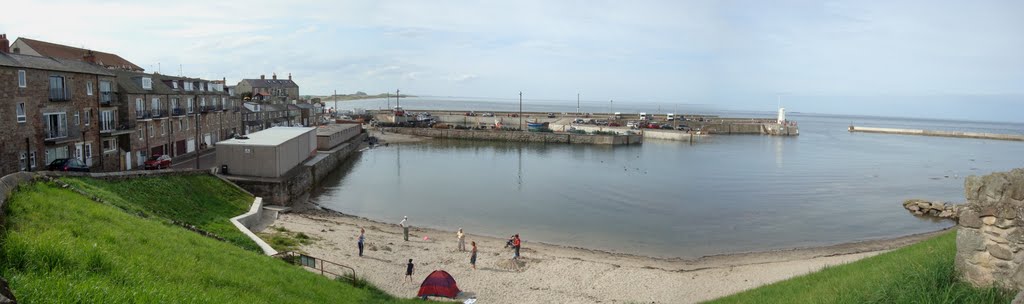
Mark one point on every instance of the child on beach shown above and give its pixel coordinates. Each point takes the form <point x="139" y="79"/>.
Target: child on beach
<point x="472" y="256"/>
<point x="408" y="271"/>
<point x="462" y="240"/>
<point x="515" y="245"/>
<point x="362" y="237"/>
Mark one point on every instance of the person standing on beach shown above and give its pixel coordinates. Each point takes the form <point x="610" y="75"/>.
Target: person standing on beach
<point x="472" y="256"/>
<point x="515" y="245"/>
<point x="462" y="240"/>
<point x="405" y="228"/>
<point x="362" y="237"/>
<point x="409" y="271"/>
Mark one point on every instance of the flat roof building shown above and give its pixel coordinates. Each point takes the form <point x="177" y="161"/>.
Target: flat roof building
<point x="332" y="135"/>
<point x="268" y="153"/>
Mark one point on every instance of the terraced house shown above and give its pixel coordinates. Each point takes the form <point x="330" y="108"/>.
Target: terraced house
<point x="53" y="108"/>
<point x="175" y="115"/>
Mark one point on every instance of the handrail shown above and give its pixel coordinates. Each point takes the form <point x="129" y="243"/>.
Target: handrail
<point x="323" y="271"/>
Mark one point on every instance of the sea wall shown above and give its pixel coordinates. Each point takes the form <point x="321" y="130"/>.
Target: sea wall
<point x="1016" y="137"/>
<point x="295" y="185"/>
<point x="990" y="232"/>
<point x="512" y="136"/>
<point x="255" y="217"/>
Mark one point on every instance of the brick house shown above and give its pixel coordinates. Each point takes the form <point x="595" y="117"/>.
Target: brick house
<point x="51" y="109"/>
<point x="34" y="47"/>
<point x="272" y="91"/>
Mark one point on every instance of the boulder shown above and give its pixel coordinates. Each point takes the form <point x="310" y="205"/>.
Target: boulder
<point x="969" y="218"/>
<point x="913" y="207"/>
<point x="946" y="214"/>
<point x="1000" y="251"/>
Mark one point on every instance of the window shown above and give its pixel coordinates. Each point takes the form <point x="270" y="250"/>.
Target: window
<point x="110" y="145"/>
<point x="57" y="91"/>
<point x="174" y="106"/>
<point x="21" y="161"/>
<point x="78" y="118"/>
<point x="21" y="79"/>
<point x="141" y="134"/>
<point x="88" y="116"/>
<point x="174" y="84"/>
<point x="163" y="129"/>
<point x="107" y="120"/>
<point x="88" y="88"/>
<point x="151" y="133"/>
<point x="189" y="104"/>
<point x="188" y="86"/>
<point x="186" y="123"/>
<point x="181" y="125"/>
<point x="156" y="107"/>
<point x="32" y="159"/>
<point x="147" y="83"/>
<point x="21" y="112"/>
<point x="140" y="108"/>
<point x="56" y="125"/>
<point x="105" y="95"/>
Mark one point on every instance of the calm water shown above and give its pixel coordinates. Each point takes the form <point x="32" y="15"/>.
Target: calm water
<point x="667" y="198"/>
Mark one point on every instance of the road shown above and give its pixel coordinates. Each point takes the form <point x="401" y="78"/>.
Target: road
<point x="206" y="160"/>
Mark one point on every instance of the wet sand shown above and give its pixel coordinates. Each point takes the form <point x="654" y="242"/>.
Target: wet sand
<point x="556" y="274"/>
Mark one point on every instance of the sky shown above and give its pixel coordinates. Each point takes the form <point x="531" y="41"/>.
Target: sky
<point x="929" y="59"/>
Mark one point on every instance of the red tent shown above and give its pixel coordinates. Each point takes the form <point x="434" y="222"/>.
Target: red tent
<point x="439" y="284"/>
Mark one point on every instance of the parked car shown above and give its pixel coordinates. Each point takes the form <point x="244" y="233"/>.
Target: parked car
<point x="551" y="115"/>
<point x="158" y="162"/>
<point x="614" y="124"/>
<point x="488" y="114"/>
<point x="601" y="122"/>
<point x="683" y="128"/>
<point x="632" y="125"/>
<point x="653" y="126"/>
<point x="579" y="121"/>
<point x="667" y="126"/>
<point x="67" y="164"/>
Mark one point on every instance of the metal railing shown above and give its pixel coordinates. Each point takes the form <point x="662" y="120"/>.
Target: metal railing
<point x="143" y="114"/>
<point x="59" y="132"/>
<point x="59" y="94"/>
<point x="110" y="127"/>
<point x="158" y="113"/>
<point x="177" y="111"/>
<point x="106" y="97"/>
<point x="314" y="263"/>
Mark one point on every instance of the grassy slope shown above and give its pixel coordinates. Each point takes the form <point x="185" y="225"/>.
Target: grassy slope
<point x="920" y="273"/>
<point x="200" y="200"/>
<point x="59" y="247"/>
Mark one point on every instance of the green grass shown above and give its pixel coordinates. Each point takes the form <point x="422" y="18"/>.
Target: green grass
<point x="284" y="240"/>
<point x="60" y="247"/>
<point x="920" y="273"/>
<point x="203" y="201"/>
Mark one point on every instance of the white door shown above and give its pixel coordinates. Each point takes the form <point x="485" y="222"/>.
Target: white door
<point x="141" y="159"/>
<point x="78" y="152"/>
<point x="190" y="145"/>
<point x="88" y="155"/>
<point x="127" y="160"/>
<point x="208" y="140"/>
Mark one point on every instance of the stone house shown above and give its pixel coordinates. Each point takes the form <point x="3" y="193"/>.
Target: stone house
<point x="272" y="91"/>
<point x="52" y="108"/>
<point x="34" y="47"/>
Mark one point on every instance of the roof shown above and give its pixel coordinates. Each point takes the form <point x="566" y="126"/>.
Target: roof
<point x="304" y="105"/>
<point x="51" y="64"/>
<point x="271" y="83"/>
<point x="68" y="52"/>
<point x="130" y="83"/>
<point x="328" y="130"/>
<point x="270" y="137"/>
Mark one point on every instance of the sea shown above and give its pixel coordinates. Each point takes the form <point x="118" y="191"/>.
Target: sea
<point x="719" y="195"/>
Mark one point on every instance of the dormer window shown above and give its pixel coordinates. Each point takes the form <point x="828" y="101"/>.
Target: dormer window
<point x="174" y="84"/>
<point x="147" y="83"/>
<point x="188" y="86"/>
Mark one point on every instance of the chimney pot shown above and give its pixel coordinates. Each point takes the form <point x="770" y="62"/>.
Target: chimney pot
<point x="263" y="77"/>
<point x="275" y="76"/>
<point x="289" y="76"/>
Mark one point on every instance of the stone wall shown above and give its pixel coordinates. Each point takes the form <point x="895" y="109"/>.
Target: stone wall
<point x="990" y="235"/>
<point x="511" y="136"/>
<point x="932" y="209"/>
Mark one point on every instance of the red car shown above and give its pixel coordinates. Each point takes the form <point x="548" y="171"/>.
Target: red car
<point x="158" y="162"/>
<point x="653" y="126"/>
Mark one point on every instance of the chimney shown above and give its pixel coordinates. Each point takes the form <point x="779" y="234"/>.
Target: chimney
<point x="275" y="76"/>
<point x="263" y="77"/>
<point x="5" y="45"/>
<point x="89" y="57"/>
<point x="289" y="76"/>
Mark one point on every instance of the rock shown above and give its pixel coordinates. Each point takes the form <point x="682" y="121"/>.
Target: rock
<point x="946" y="214"/>
<point x="972" y="188"/>
<point x="6" y="296"/>
<point x="993" y="186"/>
<point x="1006" y="224"/>
<point x="1007" y="211"/>
<point x="1000" y="252"/>
<point x="913" y="208"/>
<point x="969" y="218"/>
<point x="968" y="240"/>
<point x="988" y="220"/>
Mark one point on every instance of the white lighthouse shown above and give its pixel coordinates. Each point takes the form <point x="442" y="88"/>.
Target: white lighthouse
<point x="782" y="116"/>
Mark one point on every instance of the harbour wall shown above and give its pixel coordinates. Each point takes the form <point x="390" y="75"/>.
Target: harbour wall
<point x="294" y="187"/>
<point x="515" y="136"/>
<point x="1014" y="137"/>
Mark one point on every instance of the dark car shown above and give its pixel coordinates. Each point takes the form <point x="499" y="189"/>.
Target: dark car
<point x="683" y="128"/>
<point x="67" y="164"/>
<point x="158" y="162"/>
<point x="666" y="126"/>
<point x="551" y="115"/>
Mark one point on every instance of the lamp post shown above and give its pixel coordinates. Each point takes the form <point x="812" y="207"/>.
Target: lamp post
<point x="520" y="110"/>
<point x="577" y="104"/>
<point x="610" y="106"/>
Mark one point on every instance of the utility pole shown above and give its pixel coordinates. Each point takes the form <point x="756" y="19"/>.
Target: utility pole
<point x="520" y="110"/>
<point x="398" y="98"/>
<point x="577" y="104"/>
<point x="610" y="106"/>
<point x="197" y="140"/>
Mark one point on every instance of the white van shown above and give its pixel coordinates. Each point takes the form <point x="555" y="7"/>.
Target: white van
<point x="671" y="117"/>
<point x="643" y="116"/>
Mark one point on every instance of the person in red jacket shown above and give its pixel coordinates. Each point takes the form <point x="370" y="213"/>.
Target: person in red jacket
<point x="515" y="245"/>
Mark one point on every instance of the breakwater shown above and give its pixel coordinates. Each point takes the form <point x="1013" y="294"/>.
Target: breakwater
<point x="1015" y="137"/>
<point x="518" y="136"/>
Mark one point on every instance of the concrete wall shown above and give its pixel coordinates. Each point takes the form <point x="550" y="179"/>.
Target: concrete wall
<point x="522" y="136"/>
<point x="1016" y="137"/>
<point x="990" y="234"/>
<point x="329" y="136"/>
<point x="253" y="218"/>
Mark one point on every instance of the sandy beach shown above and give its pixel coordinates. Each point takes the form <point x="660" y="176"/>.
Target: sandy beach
<point x="556" y="274"/>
